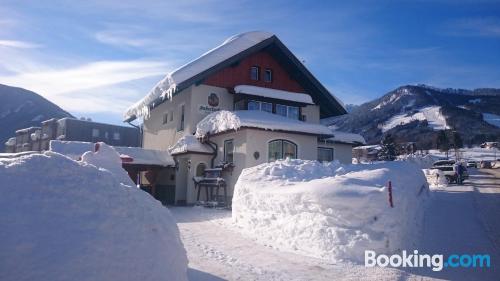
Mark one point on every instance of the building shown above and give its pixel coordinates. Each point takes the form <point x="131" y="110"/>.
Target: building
<point x="70" y="129"/>
<point x="246" y="102"/>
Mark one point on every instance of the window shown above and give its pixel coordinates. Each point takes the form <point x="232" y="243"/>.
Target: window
<point x="228" y="151"/>
<point x="280" y="149"/>
<point x="266" y="106"/>
<point x="116" y="136"/>
<point x="258" y="105"/>
<point x="255" y="73"/>
<point x="268" y="75"/>
<point x="239" y="105"/>
<point x="253" y="105"/>
<point x="106" y="135"/>
<point x="95" y="133"/>
<point x="325" y="154"/>
<point x="181" y="120"/>
<point x="293" y="112"/>
<point x="200" y="169"/>
<point x="171" y="116"/>
<point x="165" y="118"/>
<point x="281" y="110"/>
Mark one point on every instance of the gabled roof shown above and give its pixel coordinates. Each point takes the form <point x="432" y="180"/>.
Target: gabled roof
<point x="228" y="53"/>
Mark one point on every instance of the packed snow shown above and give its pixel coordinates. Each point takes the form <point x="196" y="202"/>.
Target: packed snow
<point x="329" y="211"/>
<point x="344" y="137"/>
<point x="432" y="114"/>
<point x="166" y="87"/>
<point x="273" y="93"/>
<point x="135" y="155"/>
<point x="70" y="220"/>
<point x="189" y="143"/>
<point x="223" y="120"/>
<point x="492" y="119"/>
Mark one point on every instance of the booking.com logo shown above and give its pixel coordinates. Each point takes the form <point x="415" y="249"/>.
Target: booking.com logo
<point x="436" y="262"/>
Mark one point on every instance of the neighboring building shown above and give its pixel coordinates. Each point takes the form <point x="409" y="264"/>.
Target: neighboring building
<point x="367" y="153"/>
<point x="70" y="129"/>
<point x="264" y="105"/>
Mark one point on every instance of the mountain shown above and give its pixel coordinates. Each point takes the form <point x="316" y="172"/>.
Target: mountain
<point x="20" y="108"/>
<point x="417" y="112"/>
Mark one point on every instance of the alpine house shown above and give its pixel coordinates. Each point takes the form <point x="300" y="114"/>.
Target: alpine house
<point x="243" y="103"/>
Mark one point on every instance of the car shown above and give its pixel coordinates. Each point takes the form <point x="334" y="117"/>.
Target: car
<point x="449" y="173"/>
<point x="472" y="164"/>
<point x="443" y="163"/>
<point x="486" y="164"/>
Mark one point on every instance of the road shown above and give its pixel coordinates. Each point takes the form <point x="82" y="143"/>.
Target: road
<point x="460" y="219"/>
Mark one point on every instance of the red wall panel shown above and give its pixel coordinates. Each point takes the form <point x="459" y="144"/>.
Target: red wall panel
<point x="240" y="74"/>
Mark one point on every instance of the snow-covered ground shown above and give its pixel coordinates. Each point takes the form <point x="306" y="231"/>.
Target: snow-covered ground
<point x="458" y="219"/>
<point x="432" y="114"/>
<point x="476" y="153"/>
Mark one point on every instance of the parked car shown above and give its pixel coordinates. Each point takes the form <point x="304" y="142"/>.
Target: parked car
<point x="472" y="164"/>
<point x="450" y="174"/>
<point x="486" y="164"/>
<point x="443" y="163"/>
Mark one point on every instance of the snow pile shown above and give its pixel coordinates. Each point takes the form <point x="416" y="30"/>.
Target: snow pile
<point x="166" y="87"/>
<point x="492" y="119"/>
<point x="72" y="149"/>
<point x="424" y="162"/>
<point x="273" y="93"/>
<point x="107" y="159"/>
<point x="67" y="220"/>
<point x="223" y="120"/>
<point x="435" y="178"/>
<point x="329" y="211"/>
<point x="189" y="143"/>
<point x="11" y="142"/>
<point x="432" y="114"/>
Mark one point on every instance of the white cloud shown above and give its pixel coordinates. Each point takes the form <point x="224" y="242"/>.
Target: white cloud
<point x="103" y="86"/>
<point x="18" y="44"/>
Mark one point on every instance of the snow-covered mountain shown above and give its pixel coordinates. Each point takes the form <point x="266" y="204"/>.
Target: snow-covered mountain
<point x="20" y="108"/>
<point x="416" y="113"/>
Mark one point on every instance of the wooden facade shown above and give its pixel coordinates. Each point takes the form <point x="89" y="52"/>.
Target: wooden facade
<point x="239" y="74"/>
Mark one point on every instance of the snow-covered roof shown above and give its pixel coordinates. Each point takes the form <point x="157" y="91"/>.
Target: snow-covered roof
<point x="273" y="93"/>
<point x="137" y="155"/>
<point x="164" y="89"/>
<point x="223" y="120"/>
<point x="344" y="137"/>
<point x="146" y="156"/>
<point x="189" y="143"/>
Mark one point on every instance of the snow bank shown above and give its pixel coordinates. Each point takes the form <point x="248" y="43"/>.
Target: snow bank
<point x="223" y="120"/>
<point x="330" y="211"/>
<point x="72" y="149"/>
<point x="67" y="220"/>
<point x="165" y="88"/>
<point x="435" y="178"/>
<point x="107" y="159"/>
<point x="424" y="162"/>
<point x="189" y="143"/>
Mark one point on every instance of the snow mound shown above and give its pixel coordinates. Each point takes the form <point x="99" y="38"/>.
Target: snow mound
<point x="107" y="159"/>
<point x="166" y="87"/>
<point x="67" y="220"/>
<point x="223" y="120"/>
<point x="189" y="143"/>
<point x="435" y="178"/>
<point x="330" y="211"/>
<point x="72" y="149"/>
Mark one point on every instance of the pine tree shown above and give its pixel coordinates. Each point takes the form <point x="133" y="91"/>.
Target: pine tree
<point x="442" y="142"/>
<point x="388" y="151"/>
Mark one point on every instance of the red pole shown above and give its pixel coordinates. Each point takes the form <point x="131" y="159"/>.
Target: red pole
<point x="390" y="195"/>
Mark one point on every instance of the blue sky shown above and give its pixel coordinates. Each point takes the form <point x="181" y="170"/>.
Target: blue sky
<point x="95" y="58"/>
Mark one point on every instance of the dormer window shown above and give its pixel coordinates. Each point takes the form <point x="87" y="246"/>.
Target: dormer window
<point x="255" y="73"/>
<point x="268" y="75"/>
